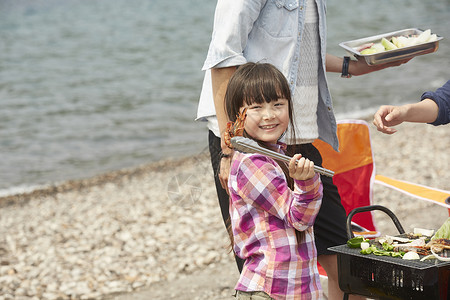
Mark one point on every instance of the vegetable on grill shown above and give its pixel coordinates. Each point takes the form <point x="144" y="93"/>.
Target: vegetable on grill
<point x="356" y="242"/>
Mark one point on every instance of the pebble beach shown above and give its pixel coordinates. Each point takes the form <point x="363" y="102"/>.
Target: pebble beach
<point x="155" y="230"/>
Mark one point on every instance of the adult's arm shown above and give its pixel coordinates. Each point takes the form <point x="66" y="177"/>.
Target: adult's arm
<point x="434" y="108"/>
<point x="220" y="78"/>
<point x="387" y="116"/>
<point x="357" y="67"/>
<point x="233" y="21"/>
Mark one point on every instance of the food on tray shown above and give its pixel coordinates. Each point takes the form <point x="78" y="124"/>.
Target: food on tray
<point x="388" y="250"/>
<point x="408" y="245"/>
<point x="411" y="255"/>
<point x="365" y="245"/>
<point x="356" y="242"/>
<point x="396" y="42"/>
<point x="418" y="249"/>
<point x="444" y="231"/>
<point x="437" y="246"/>
<point x="388" y="45"/>
<point x="406" y="44"/>
<point x="421" y="232"/>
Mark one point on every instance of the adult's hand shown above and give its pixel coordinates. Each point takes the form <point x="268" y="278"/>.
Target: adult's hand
<point x="425" y="111"/>
<point x="225" y="164"/>
<point x="360" y="66"/>
<point x="388" y="116"/>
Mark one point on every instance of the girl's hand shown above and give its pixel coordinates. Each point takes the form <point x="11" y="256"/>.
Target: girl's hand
<point x="301" y="168"/>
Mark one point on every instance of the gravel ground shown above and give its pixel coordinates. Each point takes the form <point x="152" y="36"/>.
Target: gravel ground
<point x="156" y="230"/>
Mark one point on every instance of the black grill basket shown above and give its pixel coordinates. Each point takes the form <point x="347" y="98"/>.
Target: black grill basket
<point x="385" y="277"/>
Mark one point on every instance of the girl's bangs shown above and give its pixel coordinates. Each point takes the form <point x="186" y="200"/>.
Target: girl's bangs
<point x="265" y="91"/>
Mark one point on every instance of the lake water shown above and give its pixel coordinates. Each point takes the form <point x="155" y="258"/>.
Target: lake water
<point x="88" y="87"/>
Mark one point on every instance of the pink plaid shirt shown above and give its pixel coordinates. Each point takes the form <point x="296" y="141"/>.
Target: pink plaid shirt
<point x="264" y="216"/>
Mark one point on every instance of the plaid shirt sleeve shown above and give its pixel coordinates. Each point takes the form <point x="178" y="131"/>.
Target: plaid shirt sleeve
<point x="261" y="182"/>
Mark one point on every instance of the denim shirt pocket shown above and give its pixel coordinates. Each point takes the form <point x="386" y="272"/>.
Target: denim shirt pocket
<point x="279" y="17"/>
<point x="287" y="4"/>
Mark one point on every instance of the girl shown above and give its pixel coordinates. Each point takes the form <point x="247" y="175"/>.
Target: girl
<point x="272" y="206"/>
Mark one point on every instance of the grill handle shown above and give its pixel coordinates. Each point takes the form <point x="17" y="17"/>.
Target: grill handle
<point x="370" y="208"/>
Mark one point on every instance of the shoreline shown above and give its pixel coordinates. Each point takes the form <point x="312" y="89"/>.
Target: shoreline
<point x="115" y="176"/>
<point x="24" y="192"/>
<point x="16" y="192"/>
<point x="137" y="232"/>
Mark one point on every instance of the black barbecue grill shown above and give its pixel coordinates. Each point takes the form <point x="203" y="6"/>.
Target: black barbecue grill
<point x="385" y="277"/>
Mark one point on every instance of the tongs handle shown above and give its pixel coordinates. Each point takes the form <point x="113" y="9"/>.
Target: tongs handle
<point x="247" y="145"/>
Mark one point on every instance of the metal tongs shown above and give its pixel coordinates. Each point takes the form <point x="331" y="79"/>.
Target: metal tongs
<point x="250" y="146"/>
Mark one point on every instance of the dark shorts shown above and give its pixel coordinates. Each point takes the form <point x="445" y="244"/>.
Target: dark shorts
<point x="329" y="227"/>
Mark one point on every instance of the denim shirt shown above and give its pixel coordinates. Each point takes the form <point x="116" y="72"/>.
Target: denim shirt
<point x="442" y="98"/>
<point x="268" y="31"/>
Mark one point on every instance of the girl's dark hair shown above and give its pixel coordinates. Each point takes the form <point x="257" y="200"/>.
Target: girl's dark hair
<point x="256" y="83"/>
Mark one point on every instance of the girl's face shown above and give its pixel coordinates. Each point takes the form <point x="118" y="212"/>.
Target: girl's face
<point x="267" y="121"/>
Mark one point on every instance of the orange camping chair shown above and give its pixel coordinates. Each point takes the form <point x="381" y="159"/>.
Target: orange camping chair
<point x="354" y="169"/>
<point x="436" y="196"/>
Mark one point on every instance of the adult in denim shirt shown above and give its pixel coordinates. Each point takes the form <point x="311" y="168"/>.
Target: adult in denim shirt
<point x="290" y="34"/>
